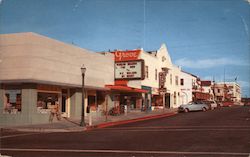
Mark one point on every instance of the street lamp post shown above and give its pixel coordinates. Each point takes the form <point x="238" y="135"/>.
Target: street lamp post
<point x="83" y="70"/>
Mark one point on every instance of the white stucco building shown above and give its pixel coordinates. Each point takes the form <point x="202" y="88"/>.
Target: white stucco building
<point x="187" y="82"/>
<point x="227" y="91"/>
<point x="161" y="78"/>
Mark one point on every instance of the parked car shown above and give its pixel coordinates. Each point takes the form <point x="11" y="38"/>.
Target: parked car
<point x="212" y="104"/>
<point x="246" y="103"/>
<point x="219" y="103"/>
<point x="193" y="106"/>
<point x="227" y="103"/>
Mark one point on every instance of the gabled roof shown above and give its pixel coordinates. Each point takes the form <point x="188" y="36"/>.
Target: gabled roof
<point x="189" y="73"/>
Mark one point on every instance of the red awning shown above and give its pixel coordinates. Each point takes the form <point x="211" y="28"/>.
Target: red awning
<point x="126" y="89"/>
<point x="201" y="96"/>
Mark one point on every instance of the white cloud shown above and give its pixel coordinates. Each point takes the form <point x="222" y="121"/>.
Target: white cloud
<point x="77" y="5"/>
<point x="248" y="1"/>
<point x="245" y="24"/>
<point x="208" y="63"/>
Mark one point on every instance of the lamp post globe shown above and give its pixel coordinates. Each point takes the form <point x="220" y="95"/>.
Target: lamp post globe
<point x="83" y="69"/>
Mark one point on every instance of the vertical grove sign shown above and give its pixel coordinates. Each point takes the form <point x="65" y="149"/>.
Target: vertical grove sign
<point x="162" y="80"/>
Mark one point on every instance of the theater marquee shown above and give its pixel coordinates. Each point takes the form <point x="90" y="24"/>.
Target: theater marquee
<point x="129" y="70"/>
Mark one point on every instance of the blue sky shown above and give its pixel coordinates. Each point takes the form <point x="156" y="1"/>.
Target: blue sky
<point x="204" y="37"/>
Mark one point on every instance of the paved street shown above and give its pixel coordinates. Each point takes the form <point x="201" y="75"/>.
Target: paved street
<point x="222" y="132"/>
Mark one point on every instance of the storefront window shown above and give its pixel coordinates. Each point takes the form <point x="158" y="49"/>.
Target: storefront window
<point x="92" y="103"/>
<point x="45" y="101"/>
<point x="12" y="102"/>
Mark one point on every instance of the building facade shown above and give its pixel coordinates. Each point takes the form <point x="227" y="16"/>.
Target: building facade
<point x="207" y="87"/>
<point x="36" y="72"/>
<point x="227" y="91"/>
<point x="187" y="83"/>
<point x="160" y="78"/>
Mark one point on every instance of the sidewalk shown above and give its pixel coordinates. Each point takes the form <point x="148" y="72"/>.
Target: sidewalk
<point x="72" y="125"/>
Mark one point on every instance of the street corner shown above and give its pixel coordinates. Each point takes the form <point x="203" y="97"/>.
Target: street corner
<point x="127" y="121"/>
<point x="1" y="155"/>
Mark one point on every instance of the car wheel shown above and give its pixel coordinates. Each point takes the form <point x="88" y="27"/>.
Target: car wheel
<point x="204" y="109"/>
<point x="186" y="110"/>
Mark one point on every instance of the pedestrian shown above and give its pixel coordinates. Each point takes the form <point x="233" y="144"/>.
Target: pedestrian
<point x="8" y="107"/>
<point x="55" y="111"/>
<point x="58" y="113"/>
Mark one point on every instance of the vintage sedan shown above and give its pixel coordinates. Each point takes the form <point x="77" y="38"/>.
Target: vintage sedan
<point x="212" y="104"/>
<point x="193" y="106"/>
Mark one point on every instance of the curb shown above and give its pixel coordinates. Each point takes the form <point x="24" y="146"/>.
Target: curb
<point x="43" y="130"/>
<point x="109" y="124"/>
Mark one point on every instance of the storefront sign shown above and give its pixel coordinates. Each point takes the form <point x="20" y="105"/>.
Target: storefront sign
<point x="149" y="89"/>
<point x="155" y="90"/>
<point x="127" y="55"/>
<point x="185" y="89"/>
<point x="201" y="96"/>
<point x="48" y="87"/>
<point x="130" y="70"/>
<point x="163" y="90"/>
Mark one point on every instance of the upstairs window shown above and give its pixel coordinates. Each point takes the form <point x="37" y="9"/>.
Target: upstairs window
<point x="146" y="71"/>
<point x="171" y="79"/>
<point x="182" y="82"/>
<point x="176" y="80"/>
<point x="155" y="74"/>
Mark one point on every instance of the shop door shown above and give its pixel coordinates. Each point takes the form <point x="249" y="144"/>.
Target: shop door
<point x="167" y="100"/>
<point x="64" y="99"/>
<point x="64" y="107"/>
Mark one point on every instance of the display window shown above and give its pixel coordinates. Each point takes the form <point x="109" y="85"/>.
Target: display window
<point x="45" y="101"/>
<point x="157" y="100"/>
<point x="12" y="101"/>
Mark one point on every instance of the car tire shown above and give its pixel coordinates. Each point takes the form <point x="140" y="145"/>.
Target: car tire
<point x="186" y="110"/>
<point x="204" y="109"/>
